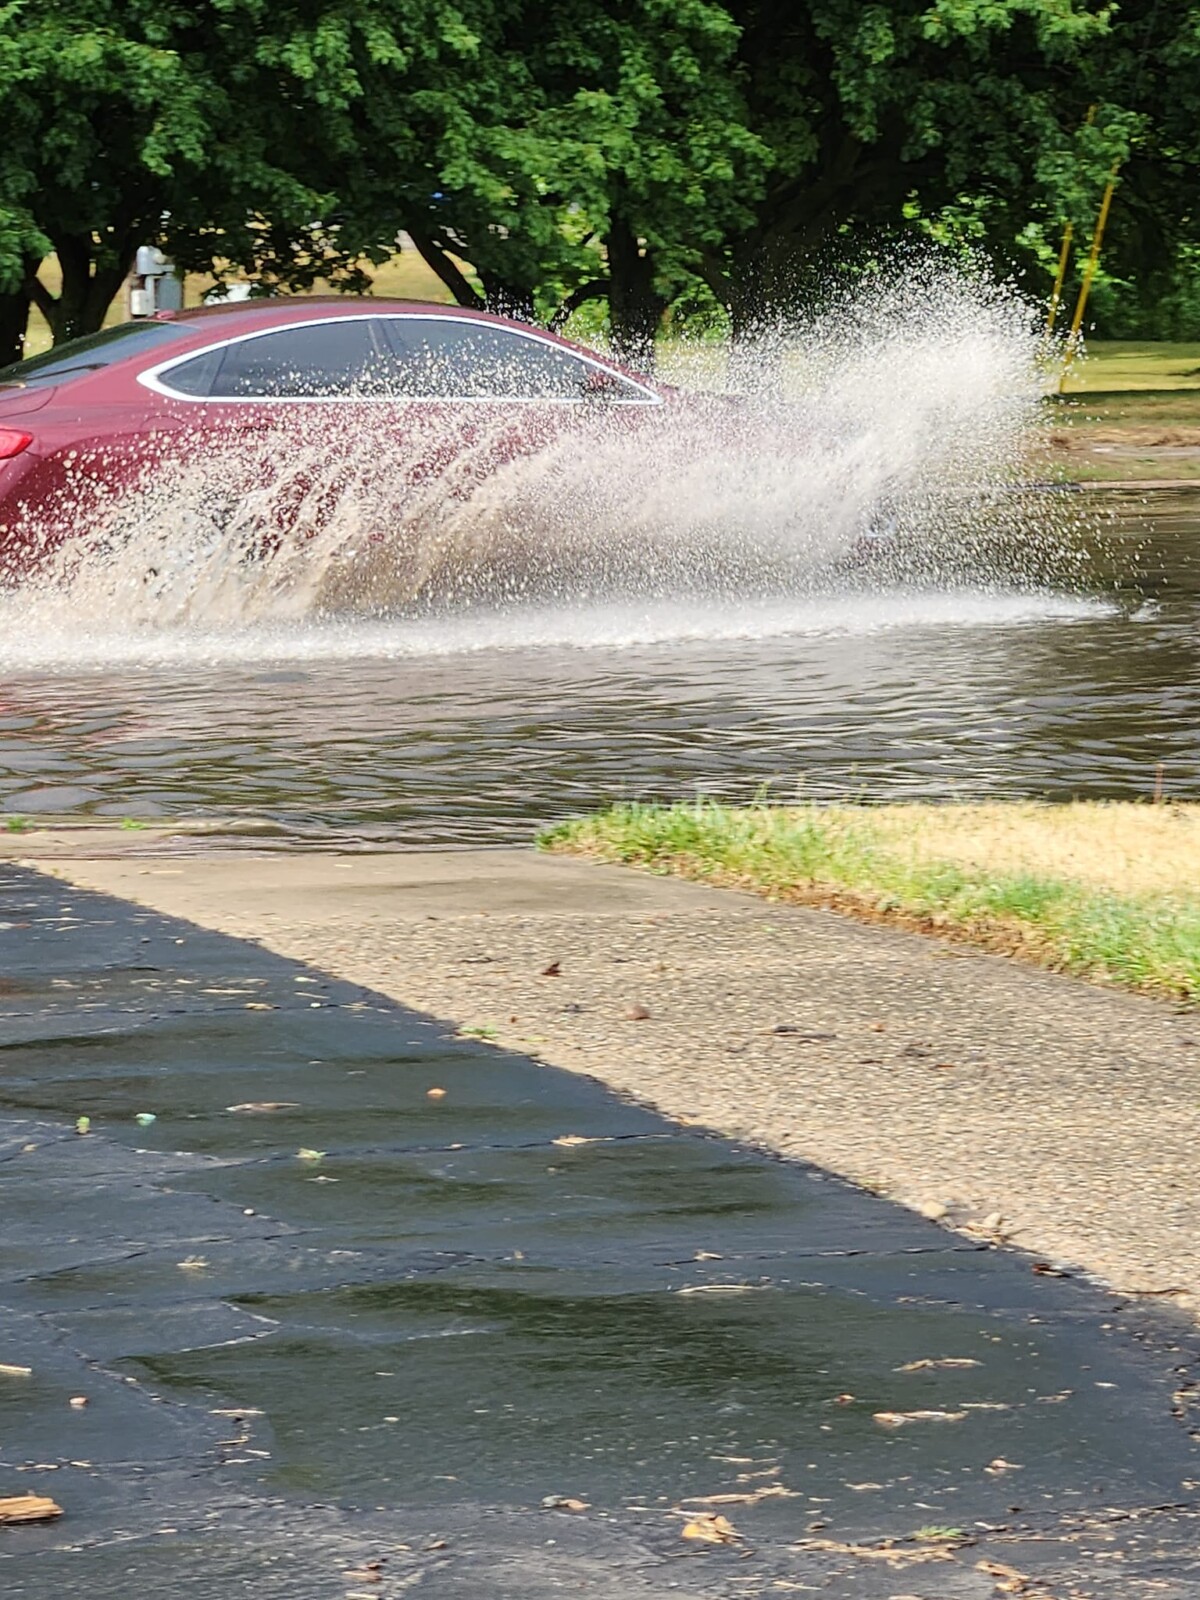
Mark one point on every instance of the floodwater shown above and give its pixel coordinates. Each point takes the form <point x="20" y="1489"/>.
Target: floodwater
<point x="477" y="723"/>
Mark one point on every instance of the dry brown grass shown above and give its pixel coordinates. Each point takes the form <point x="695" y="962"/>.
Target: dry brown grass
<point x="1119" y="845"/>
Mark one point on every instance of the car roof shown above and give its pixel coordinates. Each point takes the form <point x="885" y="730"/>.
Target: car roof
<point x="278" y="309"/>
<point x="215" y="322"/>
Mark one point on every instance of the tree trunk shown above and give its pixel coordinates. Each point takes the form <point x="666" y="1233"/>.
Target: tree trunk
<point x="507" y="299"/>
<point x="437" y="257"/>
<point x="14" y="318"/>
<point x="635" y="310"/>
<point x="88" y="288"/>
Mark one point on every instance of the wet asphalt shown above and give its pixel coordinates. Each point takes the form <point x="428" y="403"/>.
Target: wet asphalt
<point x="339" y="1335"/>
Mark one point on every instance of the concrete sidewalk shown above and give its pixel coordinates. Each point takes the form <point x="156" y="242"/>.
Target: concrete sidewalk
<point x="1010" y="1104"/>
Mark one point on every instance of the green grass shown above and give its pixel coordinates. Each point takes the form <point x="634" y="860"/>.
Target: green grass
<point x="1123" y="408"/>
<point x="839" y="857"/>
<point x="1130" y="434"/>
<point x="1111" y="364"/>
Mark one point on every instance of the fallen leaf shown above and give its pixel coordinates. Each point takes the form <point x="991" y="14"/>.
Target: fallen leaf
<point x="932" y="1362"/>
<point x="554" y="970"/>
<point x="1008" y="1579"/>
<point x="751" y="1497"/>
<point x="898" y="1419"/>
<point x="29" y="1508"/>
<point x="893" y="1555"/>
<point x="711" y="1530"/>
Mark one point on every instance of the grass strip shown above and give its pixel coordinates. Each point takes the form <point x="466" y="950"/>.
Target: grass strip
<point x="846" y="858"/>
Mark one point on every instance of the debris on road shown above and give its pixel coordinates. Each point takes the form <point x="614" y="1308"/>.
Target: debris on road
<point x="29" y="1508"/>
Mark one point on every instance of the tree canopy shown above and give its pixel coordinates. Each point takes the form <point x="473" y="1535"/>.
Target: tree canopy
<point x="630" y="151"/>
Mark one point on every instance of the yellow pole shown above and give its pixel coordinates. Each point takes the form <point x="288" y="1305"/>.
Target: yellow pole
<point x="1089" y="272"/>
<point x="1064" y="256"/>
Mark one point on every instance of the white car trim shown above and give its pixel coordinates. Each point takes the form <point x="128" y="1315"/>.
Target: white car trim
<point x="152" y="377"/>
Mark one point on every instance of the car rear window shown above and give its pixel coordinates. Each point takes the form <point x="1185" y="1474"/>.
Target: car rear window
<point x="78" y="357"/>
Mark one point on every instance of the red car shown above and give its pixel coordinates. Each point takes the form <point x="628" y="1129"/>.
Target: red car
<point x="87" y="423"/>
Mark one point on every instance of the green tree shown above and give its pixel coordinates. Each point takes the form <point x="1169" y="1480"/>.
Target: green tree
<point x="1149" y="66"/>
<point x="871" y="111"/>
<point x="117" y="117"/>
<point x="586" y="151"/>
<point x="655" y="145"/>
<point x="288" y="138"/>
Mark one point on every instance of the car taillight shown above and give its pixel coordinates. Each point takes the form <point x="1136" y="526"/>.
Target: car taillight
<point x="12" y="442"/>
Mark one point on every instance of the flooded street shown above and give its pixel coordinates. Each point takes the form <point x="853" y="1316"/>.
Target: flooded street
<point x="479" y="725"/>
<point x="309" y="1290"/>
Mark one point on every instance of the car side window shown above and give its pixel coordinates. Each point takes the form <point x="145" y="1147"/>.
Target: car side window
<point x="440" y="357"/>
<point x="339" y="359"/>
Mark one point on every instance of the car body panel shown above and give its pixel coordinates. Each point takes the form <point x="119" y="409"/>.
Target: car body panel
<point x="104" y="423"/>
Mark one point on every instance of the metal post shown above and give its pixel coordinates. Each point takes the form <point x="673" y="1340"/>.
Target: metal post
<point x="1089" y="272"/>
<point x="1064" y="256"/>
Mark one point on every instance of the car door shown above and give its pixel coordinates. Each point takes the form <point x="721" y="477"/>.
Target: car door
<point x="282" y="410"/>
<point x="482" y="393"/>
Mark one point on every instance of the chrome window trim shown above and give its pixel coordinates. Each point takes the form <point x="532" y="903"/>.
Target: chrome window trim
<point x="152" y="377"/>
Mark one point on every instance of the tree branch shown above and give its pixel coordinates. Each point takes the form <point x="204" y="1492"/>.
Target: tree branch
<point x="595" y="290"/>
<point x="40" y="295"/>
<point x="435" y="257"/>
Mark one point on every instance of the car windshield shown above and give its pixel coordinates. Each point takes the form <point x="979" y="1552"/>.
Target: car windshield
<point x="80" y="356"/>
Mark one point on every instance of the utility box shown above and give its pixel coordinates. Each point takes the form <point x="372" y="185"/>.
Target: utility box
<point x="168" y="292"/>
<point x="150" y="262"/>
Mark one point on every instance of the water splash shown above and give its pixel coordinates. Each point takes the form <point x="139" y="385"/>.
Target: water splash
<point x="909" y="405"/>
